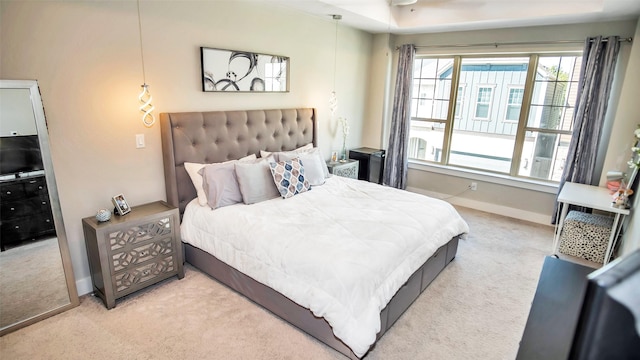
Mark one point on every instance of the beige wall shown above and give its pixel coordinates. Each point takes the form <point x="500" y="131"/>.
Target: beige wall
<point x="504" y="199"/>
<point x="86" y="58"/>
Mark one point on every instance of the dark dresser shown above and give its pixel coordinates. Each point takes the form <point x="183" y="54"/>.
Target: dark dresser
<point x="26" y="212"/>
<point x="371" y="163"/>
<point x="554" y="311"/>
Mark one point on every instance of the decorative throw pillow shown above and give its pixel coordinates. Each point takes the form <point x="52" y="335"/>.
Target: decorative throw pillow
<point x="255" y="181"/>
<point x="196" y="179"/>
<point x="289" y="177"/>
<point x="220" y="184"/>
<point x="313" y="163"/>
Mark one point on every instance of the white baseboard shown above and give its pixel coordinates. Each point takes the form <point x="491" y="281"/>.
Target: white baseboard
<point x="84" y="286"/>
<point x="520" y="214"/>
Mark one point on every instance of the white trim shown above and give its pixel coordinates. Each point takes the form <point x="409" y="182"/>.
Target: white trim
<point x="542" y="219"/>
<point x="529" y="184"/>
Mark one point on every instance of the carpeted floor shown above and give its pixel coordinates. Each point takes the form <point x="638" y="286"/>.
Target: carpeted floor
<point x="475" y="309"/>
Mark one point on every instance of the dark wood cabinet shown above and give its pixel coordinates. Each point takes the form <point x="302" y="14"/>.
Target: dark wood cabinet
<point x="554" y="311"/>
<point x="371" y="163"/>
<point x="25" y="209"/>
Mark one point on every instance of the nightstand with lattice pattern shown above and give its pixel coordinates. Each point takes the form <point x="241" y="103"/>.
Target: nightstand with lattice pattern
<point x="349" y="168"/>
<point x="133" y="251"/>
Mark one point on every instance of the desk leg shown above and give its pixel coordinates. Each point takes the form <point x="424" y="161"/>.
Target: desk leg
<point x="615" y="231"/>
<point x="559" y="223"/>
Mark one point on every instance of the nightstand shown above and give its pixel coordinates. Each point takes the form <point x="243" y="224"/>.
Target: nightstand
<point x="133" y="251"/>
<point x="346" y="169"/>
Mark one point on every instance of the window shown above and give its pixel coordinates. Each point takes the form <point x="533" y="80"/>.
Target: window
<point x="550" y="121"/>
<point x="483" y="102"/>
<point x="514" y="103"/>
<point x="430" y="106"/>
<point x="525" y="106"/>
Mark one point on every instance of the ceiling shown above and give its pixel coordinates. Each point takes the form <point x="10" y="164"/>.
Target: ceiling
<point x="424" y="16"/>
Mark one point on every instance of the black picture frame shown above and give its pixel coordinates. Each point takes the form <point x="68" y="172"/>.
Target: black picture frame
<point x="243" y="71"/>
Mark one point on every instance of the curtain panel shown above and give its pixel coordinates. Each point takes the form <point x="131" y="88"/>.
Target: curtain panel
<point x="598" y="65"/>
<point x="397" y="165"/>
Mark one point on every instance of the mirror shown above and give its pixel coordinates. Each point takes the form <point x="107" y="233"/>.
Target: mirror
<point x="36" y="277"/>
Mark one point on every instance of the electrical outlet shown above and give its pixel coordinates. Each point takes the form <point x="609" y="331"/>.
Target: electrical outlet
<point x="474" y="186"/>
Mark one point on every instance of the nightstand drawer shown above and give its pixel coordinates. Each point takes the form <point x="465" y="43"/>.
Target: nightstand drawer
<point x="133" y="257"/>
<point x="130" y="237"/>
<point x="138" y="278"/>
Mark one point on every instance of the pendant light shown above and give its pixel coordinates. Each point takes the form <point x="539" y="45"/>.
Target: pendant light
<point x="145" y="97"/>
<point x="333" y="99"/>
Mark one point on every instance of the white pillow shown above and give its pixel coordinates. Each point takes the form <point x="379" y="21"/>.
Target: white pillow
<point x="264" y="154"/>
<point x="196" y="178"/>
<point x="255" y="181"/>
<point x="313" y="163"/>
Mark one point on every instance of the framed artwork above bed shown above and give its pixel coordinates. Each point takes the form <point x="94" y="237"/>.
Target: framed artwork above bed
<point x="243" y="71"/>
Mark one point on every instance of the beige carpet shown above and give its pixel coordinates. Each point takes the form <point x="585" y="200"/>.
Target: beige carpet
<point x="475" y="309"/>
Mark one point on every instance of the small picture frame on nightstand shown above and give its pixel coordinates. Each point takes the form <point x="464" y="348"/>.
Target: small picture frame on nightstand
<point x="334" y="156"/>
<point x="121" y="206"/>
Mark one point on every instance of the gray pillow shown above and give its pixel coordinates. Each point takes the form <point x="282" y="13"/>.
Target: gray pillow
<point x="313" y="165"/>
<point x="220" y="184"/>
<point x="256" y="182"/>
<point x="193" y="169"/>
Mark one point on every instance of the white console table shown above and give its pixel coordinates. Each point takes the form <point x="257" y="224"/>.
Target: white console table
<point x="594" y="197"/>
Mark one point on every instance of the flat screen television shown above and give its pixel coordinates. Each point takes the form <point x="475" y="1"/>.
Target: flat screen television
<point x="609" y="322"/>
<point x="20" y="154"/>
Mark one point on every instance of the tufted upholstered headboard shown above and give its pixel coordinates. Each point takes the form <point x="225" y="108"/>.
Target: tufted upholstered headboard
<point x="216" y="136"/>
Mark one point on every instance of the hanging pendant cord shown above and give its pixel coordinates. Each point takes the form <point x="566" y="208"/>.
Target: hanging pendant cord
<point x="144" y="79"/>
<point x="335" y="50"/>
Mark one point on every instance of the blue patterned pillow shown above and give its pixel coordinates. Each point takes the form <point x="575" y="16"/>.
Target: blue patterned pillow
<point x="289" y="177"/>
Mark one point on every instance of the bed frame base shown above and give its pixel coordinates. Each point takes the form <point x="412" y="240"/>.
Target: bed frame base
<point x="302" y="317"/>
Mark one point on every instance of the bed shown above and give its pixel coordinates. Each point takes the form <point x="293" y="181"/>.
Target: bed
<point x="219" y="136"/>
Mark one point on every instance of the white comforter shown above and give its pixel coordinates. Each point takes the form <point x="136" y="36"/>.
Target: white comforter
<point x="341" y="250"/>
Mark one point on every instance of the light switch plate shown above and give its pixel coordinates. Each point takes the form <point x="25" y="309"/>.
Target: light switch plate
<point x="139" y="141"/>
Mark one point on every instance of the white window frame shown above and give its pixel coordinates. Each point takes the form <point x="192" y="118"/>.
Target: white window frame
<point x="507" y="103"/>
<point x="490" y="103"/>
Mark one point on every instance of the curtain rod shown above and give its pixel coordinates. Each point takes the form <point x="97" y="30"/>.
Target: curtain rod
<point x="496" y="44"/>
